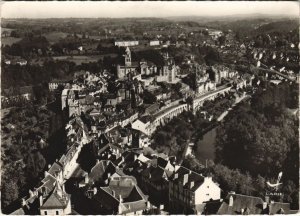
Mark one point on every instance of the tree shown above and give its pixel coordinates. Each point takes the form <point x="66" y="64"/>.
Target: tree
<point x="14" y="34"/>
<point x="148" y="97"/>
<point x="222" y="40"/>
<point x="9" y="191"/>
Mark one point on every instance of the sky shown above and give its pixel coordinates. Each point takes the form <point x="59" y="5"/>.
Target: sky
<point x="117" y="9"/>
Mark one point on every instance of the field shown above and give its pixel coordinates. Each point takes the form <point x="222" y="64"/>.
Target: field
<point x="9" y="40"/>
<point x="6" y="29"/>
<point x="54" y="37"/>
<point x="82" y="59"/>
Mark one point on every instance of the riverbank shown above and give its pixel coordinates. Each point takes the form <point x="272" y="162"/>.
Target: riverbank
<point x="204" y="148"/>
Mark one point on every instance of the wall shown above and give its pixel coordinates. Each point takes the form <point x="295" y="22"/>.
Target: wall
<point x="208" y="187"/>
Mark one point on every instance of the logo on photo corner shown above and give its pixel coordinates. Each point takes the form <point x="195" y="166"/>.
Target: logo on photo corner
<point x="275" y="186"/>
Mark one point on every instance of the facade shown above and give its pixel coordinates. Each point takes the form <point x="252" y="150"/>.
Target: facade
<point x="54" y="85"/>
<point x="188" y="190"/>
<point x="154" y="43"/>
<point x="169" y="71"/>
<point x="147" y="68"/>
<point x="126" y="43"/>
<point x="58" y="203"/>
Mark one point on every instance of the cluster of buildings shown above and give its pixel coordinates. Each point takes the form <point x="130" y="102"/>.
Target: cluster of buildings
<point x="132" y="181"/>
<point x="132" y="70"/>
<point x="49" y="197"/>
<point x="128" y="177"/>
<point x="16" y="96"/>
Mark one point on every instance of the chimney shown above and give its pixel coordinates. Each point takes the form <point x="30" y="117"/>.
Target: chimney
<point x="41" y="200"/>
<point x="86" y="179"/>
<point x="192" y="184"/>
<point x="45" y="174"/>
<point x="120" y="198"/>
<point x="242" y="211"/>
<point x="267" y="199"/>
<point x="185" y="179"/>
<point x="135" y="157"/>
<point x="176" y="176"/>
<point x="49" y="166"/>
<point x="95" y="190"/>
<point x="63" y="188"/>
<point x="265" y="205"/>
<point x="148" y="205"/>
<point x="30" y="193"/>
<point x="23" y="202"/>
<point x="230" y="201"/>
<point x="97" y="161"/>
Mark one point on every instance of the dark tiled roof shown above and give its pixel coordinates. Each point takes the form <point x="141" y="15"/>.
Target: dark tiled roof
<point x="161" y="162"/>
<point x="104" y="197"/>
<point x="133" y="196"/>
<point x="191" y="176"/>
<point x="276" y="207"/>
<point x="101" y="170"/>
<point x="145" y="119"/>
<point x="55" y="201"/>
<point x="253" y="204"/>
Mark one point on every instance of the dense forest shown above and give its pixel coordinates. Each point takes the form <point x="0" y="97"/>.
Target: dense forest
<point x="261" y="137"/>
<point x="31" y="139"/>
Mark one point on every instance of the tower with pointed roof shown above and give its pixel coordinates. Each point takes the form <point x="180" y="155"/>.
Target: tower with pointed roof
<point x="127" y="57"/>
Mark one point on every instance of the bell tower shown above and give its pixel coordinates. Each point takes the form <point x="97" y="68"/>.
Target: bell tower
<point x="128" y="57"/>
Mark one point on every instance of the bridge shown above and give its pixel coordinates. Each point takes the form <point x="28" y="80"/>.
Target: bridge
<point x="198" y="101"/>
<point x="267" y="70"/>
<point x="164" y="116"/>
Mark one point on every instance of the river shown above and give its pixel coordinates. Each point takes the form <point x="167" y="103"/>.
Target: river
<point x="205" y="148"/>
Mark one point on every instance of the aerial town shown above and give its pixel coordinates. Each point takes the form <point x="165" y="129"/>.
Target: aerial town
<point x="150" y="116"/>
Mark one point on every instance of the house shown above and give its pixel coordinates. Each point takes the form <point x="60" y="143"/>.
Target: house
<point x="21" y="62"/>
<point x="238" y="204"/>
<point x="113" y="99"/>
<point x="99" y="174"/>
<point x="154" y="43"/>
<point x="58" y="203"/>
<point x="142" y="124"/>
<point x="188" y="190"/>
<point x="121" y="196"/>
<point x="126" y="43"/>
<point x="54" y="84"/>
<point x="155" y="181"/>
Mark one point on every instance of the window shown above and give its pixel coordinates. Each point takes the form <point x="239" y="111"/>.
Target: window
<point x="57" y="212"/>
<point x="45" y="212"/>
<point x="207" y="186"/>
<point x="207" y="194"/>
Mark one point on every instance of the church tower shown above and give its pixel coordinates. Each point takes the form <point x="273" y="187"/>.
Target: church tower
<point x="128" y="57"/>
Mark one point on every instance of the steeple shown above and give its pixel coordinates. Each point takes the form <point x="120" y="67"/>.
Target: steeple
<point x="128" y="57"/>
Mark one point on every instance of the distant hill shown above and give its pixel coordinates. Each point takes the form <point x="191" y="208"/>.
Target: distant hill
<point x="280" y="26"/>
